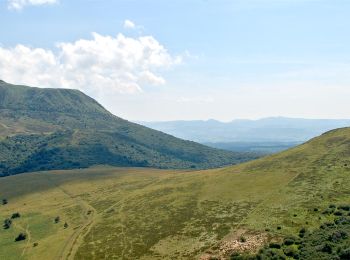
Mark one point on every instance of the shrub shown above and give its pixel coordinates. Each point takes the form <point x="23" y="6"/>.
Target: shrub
<point x="291" y="252"/>
<point x="344" y="207"/>
<point x="274" y="245"/>
<point x="342" y="221"/>
<point x="302" y="232"/>
<point x="328" y="211"/>
<point x="35" y="244"/>
<point x="279" y="228"/>
<point x="327" y="248"/>
<point x="345" y="254"/>
<point x="57" y="219"/>
<point x="236" y="256"/>
<point x="15" y="215"/>
<point x="7" y="223"/>
<point x="338" y="213"/>
<point x="20" y="237"/>
<point x="4" y="201"/>
<point x="288" y="241"/>
<point x="337" y="236"/>
<point x="242" y="239"/>
<point x="65" y="225"/>
<point x="332" y="206"/>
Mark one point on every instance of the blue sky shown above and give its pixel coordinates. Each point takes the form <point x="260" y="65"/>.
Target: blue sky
<point x="209" y="59"/>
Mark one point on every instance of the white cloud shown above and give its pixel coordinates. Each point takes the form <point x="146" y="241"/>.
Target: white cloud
<point x="129" y="24"/>
<point x="103" y="64"/>
<point x="19" y="4"/>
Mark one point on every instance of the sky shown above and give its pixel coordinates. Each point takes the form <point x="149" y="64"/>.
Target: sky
<point x="157" y="60"/>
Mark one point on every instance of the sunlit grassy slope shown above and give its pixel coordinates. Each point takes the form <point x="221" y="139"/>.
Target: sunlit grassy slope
<point x="136" y="213"/>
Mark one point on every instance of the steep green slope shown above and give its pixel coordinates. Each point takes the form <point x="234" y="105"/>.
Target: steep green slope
<point x="213" y="214"/>
<point x="43" y="129"/>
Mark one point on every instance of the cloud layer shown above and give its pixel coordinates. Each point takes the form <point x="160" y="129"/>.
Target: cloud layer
<point x="101" y="64"/>
<point x="19" y="4"/>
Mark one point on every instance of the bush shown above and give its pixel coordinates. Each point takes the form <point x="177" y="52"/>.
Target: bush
<point x="288" y="241"/>
<point x="7" y="223"/>
<point x="341" y="221"/>
<point x="57" y="219"/>
<point x="291" y="252"/>
<point x="15" y="215"/>
<point x="344" y="207"/>
<point x="242" y="239"/>
<point x="328" y="211"/>
<point x="20" y="237"/>
<point x="337" y="236"/>
<point x="4" y="201"/>
<point x="302" y="232"/>
<point x="327" y="248"/>
<point x="338" y="213"/>
<point x="274" y="245"/>
<point x="345" y="254"/>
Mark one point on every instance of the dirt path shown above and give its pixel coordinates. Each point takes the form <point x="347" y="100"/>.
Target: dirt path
<point x="29" y="244"/>
<point x="72" y="245"/>
<point x="89" y="215"/>
<point x="29" y="237"/>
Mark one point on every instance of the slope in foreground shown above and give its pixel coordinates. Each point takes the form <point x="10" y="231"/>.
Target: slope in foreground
<point x="161" y="214"/>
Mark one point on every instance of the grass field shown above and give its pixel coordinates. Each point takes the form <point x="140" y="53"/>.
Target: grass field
<point x="140" y="213"/>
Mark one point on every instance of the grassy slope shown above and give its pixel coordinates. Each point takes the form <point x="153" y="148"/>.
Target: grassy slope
<point x="158" y="214"/>
<point x="42" y="129"/>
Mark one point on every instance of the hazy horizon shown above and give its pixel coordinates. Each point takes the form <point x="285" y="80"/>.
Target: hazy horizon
<point x="242" y="119"/>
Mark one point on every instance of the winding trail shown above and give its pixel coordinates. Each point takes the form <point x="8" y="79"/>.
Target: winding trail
<point x="27" y="232"/>
<point x="28" y="245"/>
<point x="72" y="245"/>
<point x="89" y="214"/>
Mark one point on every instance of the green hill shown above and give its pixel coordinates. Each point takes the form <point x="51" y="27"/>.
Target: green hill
<point x="42" y="129"/>
<point x="292" y="205"/>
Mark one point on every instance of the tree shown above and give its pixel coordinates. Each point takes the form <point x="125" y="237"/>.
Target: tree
<point x="15" y="215"/>
<point x="57" y="219"/>
<point x="20" y="237"/>
<point x="7" y="223"/>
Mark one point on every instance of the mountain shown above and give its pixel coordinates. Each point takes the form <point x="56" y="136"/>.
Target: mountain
<point x="42" y="129"/>
<point x="291" y="205"/>
<point x="268" y="130"/>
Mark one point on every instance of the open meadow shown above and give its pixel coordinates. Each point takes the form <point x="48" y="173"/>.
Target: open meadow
<point x="142" y="213"/>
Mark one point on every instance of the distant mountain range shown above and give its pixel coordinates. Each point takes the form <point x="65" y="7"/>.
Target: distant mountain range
<point x="43" y="129"/>
<point x="274" y="129"/>
<point x="265" y="135"/>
